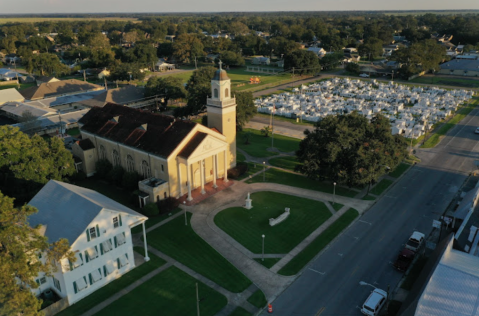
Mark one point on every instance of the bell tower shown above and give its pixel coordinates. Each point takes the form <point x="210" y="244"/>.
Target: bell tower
<point x="221" y="109"/>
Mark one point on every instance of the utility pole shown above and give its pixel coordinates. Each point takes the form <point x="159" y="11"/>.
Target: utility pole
<point x="197" y="301"/>
<point x="84" y="75"/>
<point x="272" y="127"/>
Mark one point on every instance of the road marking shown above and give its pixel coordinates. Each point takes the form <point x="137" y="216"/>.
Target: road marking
<point x="354" y="271"/>
<point x="322" y="273"/>
<point x="364" y="222"/>
<point x="321" y="310"/>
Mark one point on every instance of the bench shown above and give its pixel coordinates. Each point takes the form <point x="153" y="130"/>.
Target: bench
<point x="279" y="219"/>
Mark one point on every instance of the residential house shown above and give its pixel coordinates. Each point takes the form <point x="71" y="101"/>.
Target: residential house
<point x="10" y="95"/>
<point x="163" y="65"/>
<point x="461" y="67"/>
<point x="7" y="74"/>
<point x="260" y="60"/>
<point x="389" y="49"/>
<point x="130" y="96"/>
<point x="59" y="88"/>
<point x="321" y="52"/>
<point x="99" y="232"/>
<point x="44" y="79"/>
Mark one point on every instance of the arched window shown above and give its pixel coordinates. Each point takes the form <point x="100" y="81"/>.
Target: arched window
<point x="145" y="169"/>
<point x="215" y="93"/>
<point x="130" y="164"/>
<point x="226" y="93"/>
<point x="102" y="152"/>
<point x="116" y="158"/>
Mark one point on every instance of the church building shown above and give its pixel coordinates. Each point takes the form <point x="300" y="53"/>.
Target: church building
<point x="173" y="156"/>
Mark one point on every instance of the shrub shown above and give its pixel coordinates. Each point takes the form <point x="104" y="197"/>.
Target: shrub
<point x="103" y="168"/>
<point x="167" y="205"/>
<point x="78" y="176"/>
<point x="150" y="209"/>
<point x="240" y="169"/>
<point x="116" y="175"/>
<point x="130" y="180"/>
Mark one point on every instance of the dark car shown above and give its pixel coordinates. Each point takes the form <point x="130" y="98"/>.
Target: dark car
<point x="404" y="259"/>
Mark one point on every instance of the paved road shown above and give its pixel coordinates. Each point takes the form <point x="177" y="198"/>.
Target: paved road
<point x="364" y="252"/>
<point x="280" y="127"/>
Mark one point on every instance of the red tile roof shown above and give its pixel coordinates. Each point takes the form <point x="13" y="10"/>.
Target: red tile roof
<point x="160" y="137"/>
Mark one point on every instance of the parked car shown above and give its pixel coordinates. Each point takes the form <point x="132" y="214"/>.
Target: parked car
<point x="476" y="131"/>
<point x="404" y="259"/>
<point x="415" y="241"/>
<point x="364" y="75"/>
<point x="374" y="302"/>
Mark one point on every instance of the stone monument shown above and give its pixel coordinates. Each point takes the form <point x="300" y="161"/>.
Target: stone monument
<point x="248" y="205"/>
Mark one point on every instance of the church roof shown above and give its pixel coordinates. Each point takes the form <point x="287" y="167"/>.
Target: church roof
<point x="160" y="136"/>
<point x="220" y="75"/>
<point x="192" y="144"/>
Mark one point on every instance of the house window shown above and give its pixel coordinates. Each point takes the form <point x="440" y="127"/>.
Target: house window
<point x="56" y="283"/>
<point x="91" y="253"/>
<point x="115" y="222"/>
<point x="162" y="168"/>
<point x="122" y="261"/>
<point x="116" y="158"/>
<point x="102" y="152"/>
<point x="80" y="284"/>
<point x="108" y="269"/>
<point x="130" y="164"/>
<point x="226" y="93"/>
<point x="92" y="233"/>
<point x="119" y="239"/>
<point x="95" y="276"/>
<point x="215" y="93"/>
<point x="145" y="169"/>
<point x="78" y="262"/>
<point x="106" y="246"/>
<point x="43" y="280"/>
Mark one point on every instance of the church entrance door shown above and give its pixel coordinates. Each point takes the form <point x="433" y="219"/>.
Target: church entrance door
<point x="196" y="178"/>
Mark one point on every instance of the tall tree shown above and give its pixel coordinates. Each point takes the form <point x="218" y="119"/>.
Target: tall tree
<point x="304" y="62"/>
<point x="186" y="47"/>
<point x="245" y="108"/>
<point x="45" y="64"/>
<point x="167" y="87"/>
<point x="199" y="88"/>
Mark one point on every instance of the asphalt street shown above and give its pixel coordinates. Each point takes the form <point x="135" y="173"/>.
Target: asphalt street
<point x="365" y="251"/>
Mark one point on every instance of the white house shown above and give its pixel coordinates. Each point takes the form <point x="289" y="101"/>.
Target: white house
<point x="98" y="230"/>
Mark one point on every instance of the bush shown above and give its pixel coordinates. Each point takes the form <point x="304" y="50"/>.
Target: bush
<point x="116" y="175"/>
<point x="150" y="209"/>
<point x="353" y="67"/>
<point x="167" y="205"/>
<point x="103" y="168"/>
<point x="130" y="180"/>
<point x="78" y="176"/>
<point x="240" y="169"/>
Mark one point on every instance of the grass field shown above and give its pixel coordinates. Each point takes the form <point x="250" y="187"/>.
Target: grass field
<point x="247" y="226"/>
<point x="171" y="292"/>
<point x="240" y="157"/>
<point x="153" y="220"/>
<point x="318" y="244"/>
<point x="381" y="186"/>
<point x="114" y="287"/>
<point x="295" y="180"/>
<point x="267" y="262"/>
<point x="287" y="119"/>
<point x="462" y="113"/>
<point x="240" y="311"/>
<point x="368" y="198"/>
<point x="448" y="81"/>
<point x="286" y="162"/>
<point x="42" y="19"/>
<point x="183" y="244"/>
<point x="15" y="85"/>
<point x="258" y="143"/>
<point x="400" y="169"/>
<point x="252" y="169"/>
<point x="257" y="299"/>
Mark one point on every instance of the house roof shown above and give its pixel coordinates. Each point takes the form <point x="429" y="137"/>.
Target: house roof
<point x="17" y="109"/>
<point x="162" y="135"/>
<point x="10" y="95"/>
<point x="58" y="88"/>
<point x="192" y="144"/>
<point x="461" y="64"/>
<point x="67" y="210"/>
<point x="119" y="96"/>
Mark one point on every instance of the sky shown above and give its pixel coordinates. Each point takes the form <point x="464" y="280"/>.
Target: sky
<point x="153" y="6"/>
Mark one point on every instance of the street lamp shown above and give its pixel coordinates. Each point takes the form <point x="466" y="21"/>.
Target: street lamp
<point x="364" y="283"/>
<point x="184" y="207"/>
<point x="262" y="249"/>
<point x="264" y="171"/>
<point x="334" y="193"/>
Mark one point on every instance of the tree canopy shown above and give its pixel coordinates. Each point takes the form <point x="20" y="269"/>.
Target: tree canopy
<point x="245" y="108"/>
<point x="304" y="62"/>
<point x="167" y="87"/>
<point x="349" y="149"/>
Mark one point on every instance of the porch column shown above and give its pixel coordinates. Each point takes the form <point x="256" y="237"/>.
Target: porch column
<point x="214" y="170"/>
<point x="179" y="178"/>
<point x="202" y="176"/>
<point x="188" y="167"/>
<point x="226" y="168"/>
<point x="144" y="240"/>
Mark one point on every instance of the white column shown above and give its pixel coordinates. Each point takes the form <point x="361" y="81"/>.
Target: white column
<point x="146" y="245"/>
<point x="226" y="168"/>
<point x="179" y="177"/>
<point x="214" y="171"/>
<point x="202" y="176"/>
<point x="188" y="167"/>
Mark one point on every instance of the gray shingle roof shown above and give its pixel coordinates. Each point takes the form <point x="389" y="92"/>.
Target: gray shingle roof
<point x="67" y="210"/>
<point x="461" y="64"/>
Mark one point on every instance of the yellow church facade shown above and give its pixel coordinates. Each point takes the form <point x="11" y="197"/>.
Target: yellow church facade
<point x="174" y="157"/>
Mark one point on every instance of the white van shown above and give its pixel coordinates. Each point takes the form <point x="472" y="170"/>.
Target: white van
<point x="375" y="302"/>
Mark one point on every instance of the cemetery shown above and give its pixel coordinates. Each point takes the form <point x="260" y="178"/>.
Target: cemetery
<point x="411" y="110"/>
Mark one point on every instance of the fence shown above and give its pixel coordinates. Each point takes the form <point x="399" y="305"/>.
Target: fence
<point x="56" y="307"/>
<point x="263" y="70"/>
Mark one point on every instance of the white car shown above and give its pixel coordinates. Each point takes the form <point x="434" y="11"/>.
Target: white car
<point x="476" y="131"/>
<point x="375" y="302"/>
<point x="364" y="75"/>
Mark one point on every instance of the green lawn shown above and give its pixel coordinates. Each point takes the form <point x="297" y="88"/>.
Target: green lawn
<point x="240" y="311"/>
<point x="154" y="220"/>
<point x="287" y="119"/>
<point x="114" y="287"/>
<point x="336" y="206"/>
<point x="285" y="162"/>
<point x="252" y="169"/>
<point x="73" y="131"/>
<point x="15" y="85"/>
<point x="381" y="186"/>
<point x="257" y="299"/>
<point x="183" y="244"/>
<point x="171" y="292"/>
<point x="368" y="198"/>
<point x="449" y="81"/>
<point x="462" y="113"/>
<point x="240" y="157"/>
<point x="296" y="180"/>
<point x="318" y="244"/>
<point x="267" y="262"/>
<point x="258" y="143"/>
<point x="247" y="226"/>
<point x="396" y="173"/>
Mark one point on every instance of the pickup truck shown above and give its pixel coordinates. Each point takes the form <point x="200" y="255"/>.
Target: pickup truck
<point x="415" y="241"/>
<point x="404" y="259"/>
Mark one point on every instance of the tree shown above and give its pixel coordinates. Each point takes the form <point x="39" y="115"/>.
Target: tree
<point x="166" y="87"/>
<point x="421" y="56"/>
<point x="199" y="88"/>
<point x="45" y="64"/>
<point x="30" y="122"/>
<point x="232" y="59"/>
<point x="349" y="149"/>
<point x="371" y="48"/>
<point x="143" y="54"/>
<point x="266" y="131"/>
<point x="126" y="72"/>
<point x="245" y="108"/>
<point x="186" y="47"/>
<point x="331" y="61"/>
<point x="304" y="62"/>
<point x="353" y="68"/>
<point x="20" y="247"/>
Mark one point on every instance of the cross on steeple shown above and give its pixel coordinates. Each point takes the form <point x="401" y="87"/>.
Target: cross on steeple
<point x="220" y="63"/>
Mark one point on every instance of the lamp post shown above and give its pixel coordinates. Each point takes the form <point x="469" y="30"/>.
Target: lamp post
<point x="262" y="248"/>
<point x="184" y="207"/>
<point x="334" y="193"/>
<point x="364" y="283"/>
<point x="264" y="171"/>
